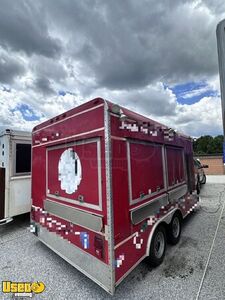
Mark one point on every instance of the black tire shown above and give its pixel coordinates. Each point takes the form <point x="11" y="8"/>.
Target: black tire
<point x="203" y="179"/>
<point x="174" y="229"/>
<point x="198" y="187"/>
<point x="157" y="247"/>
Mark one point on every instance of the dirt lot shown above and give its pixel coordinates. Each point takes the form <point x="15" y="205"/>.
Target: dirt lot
<point x="188" y="271"/>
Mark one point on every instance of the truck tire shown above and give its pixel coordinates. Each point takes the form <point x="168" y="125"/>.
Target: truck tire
<point x="203" y="179"/>
<point x="174" y="229"/>
<point x="157" y="247"/>
<point x="198" y="187"/>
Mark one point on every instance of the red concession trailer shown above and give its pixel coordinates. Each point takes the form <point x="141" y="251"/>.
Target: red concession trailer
<point x="109" y="188"/>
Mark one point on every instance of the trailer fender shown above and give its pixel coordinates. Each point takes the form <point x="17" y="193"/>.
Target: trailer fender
<point x="166" y="220"/>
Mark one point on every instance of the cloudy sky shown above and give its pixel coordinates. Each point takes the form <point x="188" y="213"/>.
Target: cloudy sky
<point x="158" y="58"/>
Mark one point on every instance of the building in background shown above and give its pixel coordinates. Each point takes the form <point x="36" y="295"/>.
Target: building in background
<point x="214" y="162"/>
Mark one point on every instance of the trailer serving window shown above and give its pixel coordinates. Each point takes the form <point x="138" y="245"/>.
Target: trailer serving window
<point x="145" y="167"/>
<point x="22" y="158"/>
<point x="73" y="167"/>
<point x="175" y="166"/>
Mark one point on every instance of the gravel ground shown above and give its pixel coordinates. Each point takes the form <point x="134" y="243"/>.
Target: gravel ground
<point x="186" y="273"/>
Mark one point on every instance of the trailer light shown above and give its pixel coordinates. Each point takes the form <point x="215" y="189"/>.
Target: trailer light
<point x="42" y="220"/>
<point x="81" y="198"/>
<point x="99" y="245"/>
<point x="116" y="109"/>
<point x="123" y="117"/>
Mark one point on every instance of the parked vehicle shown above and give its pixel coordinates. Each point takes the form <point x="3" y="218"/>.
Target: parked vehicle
<point x="109" y="188"/>
<point x="15" y="178"/>
<point x="200" y="174"/>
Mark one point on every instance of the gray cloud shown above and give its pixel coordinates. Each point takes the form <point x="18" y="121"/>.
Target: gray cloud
<point x="151" y="101"/>
<point x="120" y="44"/>
<point x="23" y="28"/>
<point x="123" y="50"/>
<point x="129" y="44"/>
<point x="48" y="67"/>
<point x="9" y="68"/>
<point x="43" y="86"/>
<point x="217" y="7"/>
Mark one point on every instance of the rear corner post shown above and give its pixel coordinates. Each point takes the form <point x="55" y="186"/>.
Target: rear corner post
<point x="109" y="197"/>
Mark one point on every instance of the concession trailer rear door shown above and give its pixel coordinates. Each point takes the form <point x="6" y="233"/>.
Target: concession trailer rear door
<point x="104" y="181"/>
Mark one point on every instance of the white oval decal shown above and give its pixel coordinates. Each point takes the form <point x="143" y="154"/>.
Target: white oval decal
<point x="69" y="171"/>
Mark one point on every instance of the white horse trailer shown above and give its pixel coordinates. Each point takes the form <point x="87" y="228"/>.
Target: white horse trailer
<point x="15" y="174"/>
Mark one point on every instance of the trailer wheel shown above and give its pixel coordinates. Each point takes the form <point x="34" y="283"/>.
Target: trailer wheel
<point x="157" y="247"/>
<point x="174" y="229"/>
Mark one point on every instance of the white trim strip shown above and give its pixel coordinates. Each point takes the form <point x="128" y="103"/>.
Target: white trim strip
<point x="20" y="177"/>
<point x="109" y="197"/>
<point x="69" y="137"/>
<point x="114" y="115"/>
<point x="113" y="137"/>
<point x="166" y="218"/>
<point x="124" y="241"/>
<point x="99" y="156"/>
<point x="77" y="114"/>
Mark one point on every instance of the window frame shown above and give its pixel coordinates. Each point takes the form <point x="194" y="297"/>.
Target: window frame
<point x="184" y="167"/>
<point x="14" y="173"/>
<point x="98" y="142"/>
<point x="147" y="196"/>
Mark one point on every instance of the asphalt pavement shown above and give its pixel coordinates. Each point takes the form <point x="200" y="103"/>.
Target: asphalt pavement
<point x="193" y="269"/>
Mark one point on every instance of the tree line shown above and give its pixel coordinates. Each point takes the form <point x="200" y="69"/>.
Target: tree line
<point x="208" y="145"/>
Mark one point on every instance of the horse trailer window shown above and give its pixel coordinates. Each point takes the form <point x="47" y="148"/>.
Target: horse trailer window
<point x="23" y="158"/>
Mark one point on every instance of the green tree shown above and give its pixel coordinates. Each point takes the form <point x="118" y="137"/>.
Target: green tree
<point x="208" y="145"/>
<point x="218" y="144"/>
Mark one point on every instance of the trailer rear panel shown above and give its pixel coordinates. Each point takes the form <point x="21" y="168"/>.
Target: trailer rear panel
<point x="70" y="199"/>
